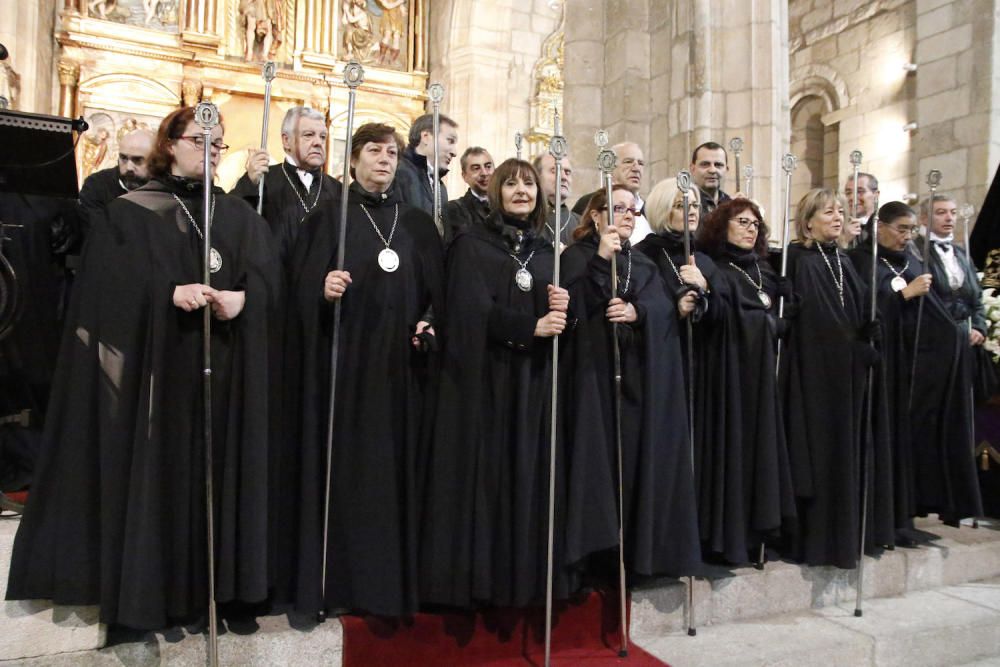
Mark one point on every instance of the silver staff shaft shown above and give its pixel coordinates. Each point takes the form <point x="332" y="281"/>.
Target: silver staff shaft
<point x="684" y="185"/>
<point x="207" y="116"/>
<point x="354" y="75"/>
<point x="518" y="143"/>
<point x="436" y="93"/>
<point x="868" y="437"/>
<point x="967" y="211"/>
<point x="558" y="149"/>
<point x="268" y="74"/>
<point x="856" y="164"/>
<point x="736" y="145"/>
<point x="933" y="181"/>
<point x="788" y="163"/>
<point x="748" y="176"/>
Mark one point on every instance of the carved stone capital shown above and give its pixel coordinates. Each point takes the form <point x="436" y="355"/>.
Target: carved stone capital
<point x="191" y="90"/>
<point x="69" y="73"/>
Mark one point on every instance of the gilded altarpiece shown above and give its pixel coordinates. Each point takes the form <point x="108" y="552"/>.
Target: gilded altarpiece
<point x="128" y="63"/>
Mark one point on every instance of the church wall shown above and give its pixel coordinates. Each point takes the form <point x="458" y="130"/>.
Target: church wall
<point x="26" y="28"/>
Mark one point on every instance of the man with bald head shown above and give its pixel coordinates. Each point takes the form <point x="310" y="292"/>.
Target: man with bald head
<point x="102" y="187"/>
<point x="629" y="170"/>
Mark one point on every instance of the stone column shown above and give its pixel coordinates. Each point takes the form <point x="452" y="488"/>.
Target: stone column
<point x="200" y="23"/>
<point x="69" y="78"/>
<point x="317" y="36"/>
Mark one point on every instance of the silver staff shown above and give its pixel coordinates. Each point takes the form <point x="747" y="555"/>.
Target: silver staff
<point x="601" y="141"/>
<point x="558" y="149"/>
<point x="736" y="145"/>
<point x="933" y="181"/>
<point x="606" y="161"/>
<point x="966" y="211"/>
<point x="207" y="116"/>
<point x="856" y="163"/>
<point x="436" y="94"/>
<point x="684" y="185"/>
<point x="268" y="73"/>
<point x="354" y="75"/>
<point x="518" y="142"/>
<point x="748" y="177"/>
<point x="867" y="442"/>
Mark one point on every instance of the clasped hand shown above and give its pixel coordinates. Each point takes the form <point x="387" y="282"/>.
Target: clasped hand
<point x="226" y="304"/>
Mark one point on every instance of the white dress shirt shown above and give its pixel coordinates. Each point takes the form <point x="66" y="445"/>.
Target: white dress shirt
<point x="956" y="274"/>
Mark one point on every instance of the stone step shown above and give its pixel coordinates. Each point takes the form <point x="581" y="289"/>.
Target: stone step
<point x="953" y="625"/>
<point x="959" y="555"/>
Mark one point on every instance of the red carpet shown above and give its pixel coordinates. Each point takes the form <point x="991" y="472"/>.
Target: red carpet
<point x="584" y="633"/>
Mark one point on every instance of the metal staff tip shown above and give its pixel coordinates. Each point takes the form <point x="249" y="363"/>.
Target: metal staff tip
<point x="736" y="144"/>
<point x="684" y="180"/>
<point x="967" y="210"/>
<point x="354" y="74"/>
<point x="933" y="178"/>
<point x="269" y="71"/>
<point x="606" y="160"/>
<point x="558" y="147"/>
<point x="748" y="171"/>
<point x="856" y="158"/>
<point x="206" y="115"/>
<point x="518" y="141"/>
<point x="601" y="138"/>
<point x="436" y="93"/>
<point x="788" y="162"/>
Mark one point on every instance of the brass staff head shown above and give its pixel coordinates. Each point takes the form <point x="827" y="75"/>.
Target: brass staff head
<point x="270" y="71"/>
<point x="601" y="138"/>
<point x="788" y="162"/>
<point x="354" y="74"/>
<point x="436" y="93"/>
<point x="606" y="161"/>
<point x="736" y="145"/>
<point x="206" y="115"/>
<point x="856" y="158"/>
<point x="933" y="179"/>
<point x="684" y="181"/>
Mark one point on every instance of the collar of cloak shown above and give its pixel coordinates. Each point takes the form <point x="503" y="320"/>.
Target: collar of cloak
<point x="510" y="234"/>
<point x="421" y="161"/>
<point x="358" y="195"/>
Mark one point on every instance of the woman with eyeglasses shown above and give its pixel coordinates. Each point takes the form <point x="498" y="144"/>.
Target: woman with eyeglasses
<point x="701" y="295"/>
<point x="830" y="348"/>
<point x="659" y="514"/>
<point x="928" y="416"/>
<point x="485" y="518"/>
<point x="117" y="514"/>
<point x="735" y="236"/>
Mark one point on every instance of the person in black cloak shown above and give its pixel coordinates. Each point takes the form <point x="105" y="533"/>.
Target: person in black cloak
<point x="296" y="186"/>
<point x="701" y="294"/>
<point x="825" y="378"/>
<point x="117" y="516"/>
<point x="104" y="186"/>
<point x="485" y="518"/>
<point x="735" y="236"/>
<point x="391" y="281"/>
<point x="659" y="512"/>
<point x="899" y="286"/>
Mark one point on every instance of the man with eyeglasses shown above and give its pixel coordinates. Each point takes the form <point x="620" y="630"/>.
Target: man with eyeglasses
<point x="628" y="171"/>
<point x="104" y="186"/>
<point x="709" y="166"/>
<point x="298" y="185"/>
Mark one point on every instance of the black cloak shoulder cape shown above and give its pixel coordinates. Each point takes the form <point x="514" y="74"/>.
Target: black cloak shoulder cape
<point x="718" y="424"/>
<point x="768" y="499"/>
<point x="825" y="375"/>
<point x="940" y="399"/>
<point x="485" y="521"/>
<point x="117" y="515"/>
<point x="371" y="555"/>
<point x="659" y="513"/>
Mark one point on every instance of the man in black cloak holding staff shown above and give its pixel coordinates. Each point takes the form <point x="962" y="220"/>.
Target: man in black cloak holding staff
<point x="392" y="279"/>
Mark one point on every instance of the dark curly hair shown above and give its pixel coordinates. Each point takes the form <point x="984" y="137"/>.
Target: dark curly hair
<point x="713" y="233"/>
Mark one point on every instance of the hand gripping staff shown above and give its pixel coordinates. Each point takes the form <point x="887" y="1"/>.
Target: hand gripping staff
<point x="354" y="75"/>
<point x="268" y="73"/>
<point x="207" y="116"/>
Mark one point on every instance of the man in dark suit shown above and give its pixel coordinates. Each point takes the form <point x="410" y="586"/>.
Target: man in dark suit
<point x="472" y="207"/>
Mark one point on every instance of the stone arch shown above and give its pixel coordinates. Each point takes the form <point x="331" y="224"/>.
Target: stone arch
<point x="816" y="92"/>
<point x="821" y="81"/>
<point x="128" y="92"/>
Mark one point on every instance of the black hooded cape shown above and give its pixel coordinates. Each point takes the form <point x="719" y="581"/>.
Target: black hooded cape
<point x="718" y="459"/>
<point x="379" y="412"/>
<point x="485" y="520"/>
<point x="660" y="516"/>
<point x="117" y="515"/>
<point x="825" y="375"/>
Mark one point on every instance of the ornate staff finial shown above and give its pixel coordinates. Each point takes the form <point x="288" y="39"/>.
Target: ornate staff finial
<point x="354" y="74"/>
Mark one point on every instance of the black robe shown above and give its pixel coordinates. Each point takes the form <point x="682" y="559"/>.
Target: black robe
<point x="659" y="509"/>
<point x="825" y="374"/>
<point x="940" y="410"/>
<point x="284" y="195"/>
<point x="379" y="409"/>
<point x="463" y="212"/>
<point x="768" y="499"/>
<point x="98" y="190"/>
<point x="117" y="515"/>
<point x="485" y="519"/>
<point x="717" y="416"/>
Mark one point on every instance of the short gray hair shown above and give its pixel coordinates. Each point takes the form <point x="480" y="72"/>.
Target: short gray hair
<point x="293" y="115"/>
<point x="927" y="204"/>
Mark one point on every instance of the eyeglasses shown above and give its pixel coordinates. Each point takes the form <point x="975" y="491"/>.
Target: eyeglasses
<point x="621" y="209"/>
<point x="905" y="230"/>
<point x="199" y="143"/>
<point x="746" y="223"/>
